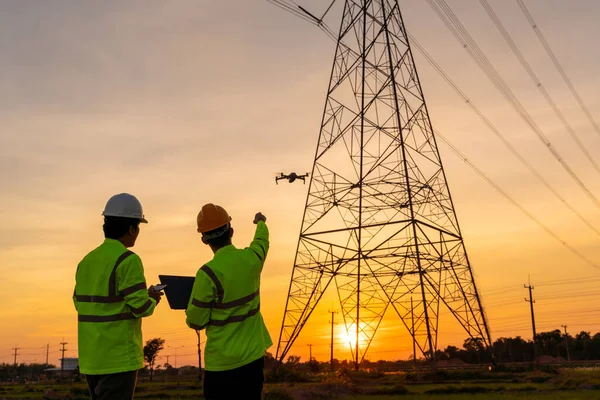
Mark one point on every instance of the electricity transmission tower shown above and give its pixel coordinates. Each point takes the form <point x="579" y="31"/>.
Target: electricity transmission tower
<point x="379" y="223"/>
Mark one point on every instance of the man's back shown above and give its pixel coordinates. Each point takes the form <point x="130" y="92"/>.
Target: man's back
<point x="110" y="297"/>
<point x="226" y="301"/>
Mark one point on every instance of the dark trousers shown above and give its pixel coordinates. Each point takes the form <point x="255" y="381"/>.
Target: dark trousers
<point x="245" y="382"/>
<point x="120" y="386"/>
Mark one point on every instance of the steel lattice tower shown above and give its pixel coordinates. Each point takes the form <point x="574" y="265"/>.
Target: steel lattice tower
<point x="379" y="220"/>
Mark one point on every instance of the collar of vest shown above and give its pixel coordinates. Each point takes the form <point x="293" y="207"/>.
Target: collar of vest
<point x="225" y="249"/>
<point x="114" y="242"/>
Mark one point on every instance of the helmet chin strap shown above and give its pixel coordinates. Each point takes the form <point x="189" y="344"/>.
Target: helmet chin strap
<point x="216" y="233"/>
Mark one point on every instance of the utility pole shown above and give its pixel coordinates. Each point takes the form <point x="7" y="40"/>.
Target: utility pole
<point x="567" y="343"/>
<point x="531" y="301"/>
<point x="166" y="369"/>
<point x="15" y="354"/>
<point x="199" y="358"/>
<point x="175" y="348"/>
<point x="310" y="347"/>
<point x="62" y="360"/>
<point x="47" y="352"/>
<point x="412" y="316"/>
<point x="332" y="324"/>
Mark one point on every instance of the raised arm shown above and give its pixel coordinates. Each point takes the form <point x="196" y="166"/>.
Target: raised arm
<point x="260" y="243"/>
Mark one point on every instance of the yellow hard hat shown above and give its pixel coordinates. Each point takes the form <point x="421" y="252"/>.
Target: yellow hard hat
<point x="212" y="217"/>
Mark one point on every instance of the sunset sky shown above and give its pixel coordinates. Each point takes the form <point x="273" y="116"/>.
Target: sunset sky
<point x="188" y="102"/>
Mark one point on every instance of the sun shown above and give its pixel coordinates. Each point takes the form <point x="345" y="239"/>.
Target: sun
<point x="348" y="336"/>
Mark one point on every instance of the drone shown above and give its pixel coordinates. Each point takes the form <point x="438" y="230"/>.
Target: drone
<point x="291" y="177"/>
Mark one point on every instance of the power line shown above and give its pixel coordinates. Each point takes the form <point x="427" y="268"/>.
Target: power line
<point x="562" y="302"/>
<point x="586" y="279"/>
<point x="454" y="25"/>
<point x="565" y="294"/>
<point x="571" y="295"/>
<point x="292" y="8"/>
<point x="326" y="29"/>
<point x="579" y="290"/>
<point x="497" y="132"/>
<point x="591" y="279"/>
<point x="509" y="198"/>
<point x="557" y="64"/>
<point x="564" y="299"/>
<point x="496" y="296"/>
<point x="515" y="49"/>
<point x="503" y="289"/>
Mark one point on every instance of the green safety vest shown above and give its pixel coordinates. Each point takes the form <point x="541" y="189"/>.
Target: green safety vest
<point x="225" y="301"/>
<point x="111" y="298"/>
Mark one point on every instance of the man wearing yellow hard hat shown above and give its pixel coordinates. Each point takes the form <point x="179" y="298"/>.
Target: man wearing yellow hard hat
<point x="225" y="301"/>
<point x="111" y="298"/>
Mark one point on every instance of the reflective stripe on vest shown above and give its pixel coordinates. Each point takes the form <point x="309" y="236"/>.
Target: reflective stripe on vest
<point x="112" y="281"/>
<point x="143" y="308"/>
<point x="98" y="299"/>
<point x="211" y="274"/>
<point x="225" y="305"/>
<point x="235" y="318"/>
<point x="133" y="288"/>
<point x="105" y="318"/>
<point x="232" y="319"/>
<point x="113" y="297"/>
<point x="220" y="305"/>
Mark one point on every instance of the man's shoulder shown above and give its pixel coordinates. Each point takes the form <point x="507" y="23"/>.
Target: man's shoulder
<point x="220" y="262"/>
<point x="94" y="254"/>
<point x="108" y="253"/>
<point x="234" y="254"/>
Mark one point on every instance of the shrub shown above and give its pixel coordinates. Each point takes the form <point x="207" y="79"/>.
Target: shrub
<point x="286" y="374"/>
<point x="277" y="394"/>
<point x="394" y="390"/>
<point x="459" y="389"/>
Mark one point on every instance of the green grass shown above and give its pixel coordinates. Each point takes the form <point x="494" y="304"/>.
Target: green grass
<point x="424" y="388"/>
<point x="567" y="395"/>
<point x="570" y="384"/>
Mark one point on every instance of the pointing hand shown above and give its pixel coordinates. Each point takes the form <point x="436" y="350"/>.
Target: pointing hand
<point x="259" y="217"/>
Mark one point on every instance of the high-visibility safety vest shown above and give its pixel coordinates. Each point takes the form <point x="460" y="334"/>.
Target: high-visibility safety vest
<point x="225" y="301"/>
<point x="111" y="298"/>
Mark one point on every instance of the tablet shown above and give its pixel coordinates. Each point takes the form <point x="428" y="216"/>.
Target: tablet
<point x="178" y="290"/>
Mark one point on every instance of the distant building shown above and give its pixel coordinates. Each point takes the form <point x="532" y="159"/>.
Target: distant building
<point x="187" y="370"/>
<point x="68" y="366"/>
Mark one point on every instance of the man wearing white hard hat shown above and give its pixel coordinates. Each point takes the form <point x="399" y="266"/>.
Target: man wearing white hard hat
<point x="111" y="298"/>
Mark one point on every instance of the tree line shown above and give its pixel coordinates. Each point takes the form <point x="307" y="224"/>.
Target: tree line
<point x="582" y="346"/>
<point x="22" y="371"/>
<point x="555" y="344"/>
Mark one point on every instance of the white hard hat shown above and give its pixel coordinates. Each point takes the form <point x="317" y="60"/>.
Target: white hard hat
<point x="126" y="206"/>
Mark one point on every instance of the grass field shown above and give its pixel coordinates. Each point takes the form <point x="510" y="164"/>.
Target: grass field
<point x="571" y="395"/>
<point x="568" y="384"/>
